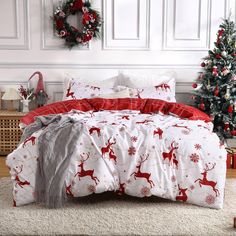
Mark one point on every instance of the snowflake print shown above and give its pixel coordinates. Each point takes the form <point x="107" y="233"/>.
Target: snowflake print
<point x="197" y="146"/>
<point x="145" y="191"/>
<point x="91" y="188"/>
<point x="210" y="199"/>
<point x="131" y="151"/>
<point x="194" y="157"/>
<point x="173" y="178"/>
<point x="134" y="139"/>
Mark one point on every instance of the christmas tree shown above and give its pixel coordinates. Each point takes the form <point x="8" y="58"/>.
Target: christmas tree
<point x="215" y="89"/>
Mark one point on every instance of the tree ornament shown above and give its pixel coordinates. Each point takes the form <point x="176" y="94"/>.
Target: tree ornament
<point x="217" y="56"/>
<point x="233" y="132"/>
<point x="214" y="71"/>
<point x="224" y="54"/>
<point x="194" y="85"/>
<point x="203" y="64"/>
<point x="91" y="23"/>
<point x="219" y="36"/>
<point x="226" y="126"/>
<point x="216" y="90"/>
<point x="202" y="106"/>
<point x="225" y="71"/>
<point x="230" y="109"/>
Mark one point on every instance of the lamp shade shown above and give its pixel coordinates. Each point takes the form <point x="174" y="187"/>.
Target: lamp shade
<point x="11" y="94"/>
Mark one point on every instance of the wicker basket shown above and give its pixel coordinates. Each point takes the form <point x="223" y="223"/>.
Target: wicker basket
<point x="10" y="132"/>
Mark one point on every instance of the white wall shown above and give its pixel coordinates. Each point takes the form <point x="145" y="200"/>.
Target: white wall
<point x="141" y="36"/>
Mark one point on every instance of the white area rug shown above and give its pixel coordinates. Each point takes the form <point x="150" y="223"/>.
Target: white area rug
<point x="108" y="214"/>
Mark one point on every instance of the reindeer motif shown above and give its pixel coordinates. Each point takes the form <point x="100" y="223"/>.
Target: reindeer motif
<point x="181" y="126"/>
<point x="162" y="86"/>
<point x="139" y="174"/>
<point x="158" y="131"/>
<point x="126" y="117"/>
<point x="182" y="194"/>
<point x="144" y="122"/>
<point x="139" y="91"/>
<point x="170" y="155"/>
<point x="83" y="172"/>
<point x="68" y="191"/>
<point x="107" y="149"/>
<point x="175" y="161"/>
<point x="69" y="93"/>
<point x="112" y="156"/>
<point x="30" y="139"/>
<point x="17" y="179"/>
<point x="95" y="129"/>
<point x="205" y="181"/>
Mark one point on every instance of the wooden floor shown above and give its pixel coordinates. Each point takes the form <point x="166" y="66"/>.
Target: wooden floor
<point x="231" y="173"/>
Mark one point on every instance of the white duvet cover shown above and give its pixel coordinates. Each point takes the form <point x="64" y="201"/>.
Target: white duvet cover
<point x="136" y="154"/>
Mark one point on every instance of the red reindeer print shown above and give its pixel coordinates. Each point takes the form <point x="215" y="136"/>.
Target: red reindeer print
<point x="158" y="131"/>
<point x="121" y="190"/>
<point x="17" y="179"/>
<point x="170" y="155"/>
<point x="139" y="91"/>
<point x="112" y="156"/>
<point x="94" y="88"/>
<point x="139" y="174"/>
<point x="175" y="161"/>
<point x="126" y="117"/>
<point x="144" y="122"/>
<point x="205" y="181"/>
<point x="162" y="86"/>
<point x="83" y="172"/>
<point x="95" y="129"/>
<point x="68" y="191"/>
<point x="107" y="149"/>
<point x="30" y="139"/>
<point x="69" y="93"/>
<point x="181" y="126"/>
<point x="182" y="194"/>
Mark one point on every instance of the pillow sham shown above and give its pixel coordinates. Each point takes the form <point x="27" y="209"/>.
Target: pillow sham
<point x="79" y="90"/>
<point x="165" y="91"/>
<point x="107" y="83"/>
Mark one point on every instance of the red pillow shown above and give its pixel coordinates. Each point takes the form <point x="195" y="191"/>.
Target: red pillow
<point x="56" y="108"/>
<point x="117" y="103"/>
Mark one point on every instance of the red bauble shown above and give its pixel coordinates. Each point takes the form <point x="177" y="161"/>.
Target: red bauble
<point x="202" y="106"/>
<point x="230" y="109"/>
<point x="194" y="85"/>
<point x="217" y="56"/>
<point x="233" y="54"/>
<point x="216" y="91"/>
<point x="203" y="64"/>
<point x="226" y="127"/>
<point x="233" y="132"/>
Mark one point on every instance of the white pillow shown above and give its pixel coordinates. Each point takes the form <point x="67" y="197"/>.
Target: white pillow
<point x="157" y="87"/>
<point x="121" y="94"/>
<point x="104" y="84"/>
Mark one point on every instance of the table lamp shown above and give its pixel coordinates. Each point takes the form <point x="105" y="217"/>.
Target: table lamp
<point x="10" y="95"/>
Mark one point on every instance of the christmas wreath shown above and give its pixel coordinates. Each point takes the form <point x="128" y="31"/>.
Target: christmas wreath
<point x="91" y="22"/>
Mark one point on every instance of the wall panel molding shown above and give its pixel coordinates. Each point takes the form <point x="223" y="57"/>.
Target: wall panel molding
<point x="20" y="40"/>
<point x="172" y="43"/>
<point x="139" y="42"/>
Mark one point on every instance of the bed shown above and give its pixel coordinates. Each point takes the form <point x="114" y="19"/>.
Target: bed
<point x="139" y="146"/>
